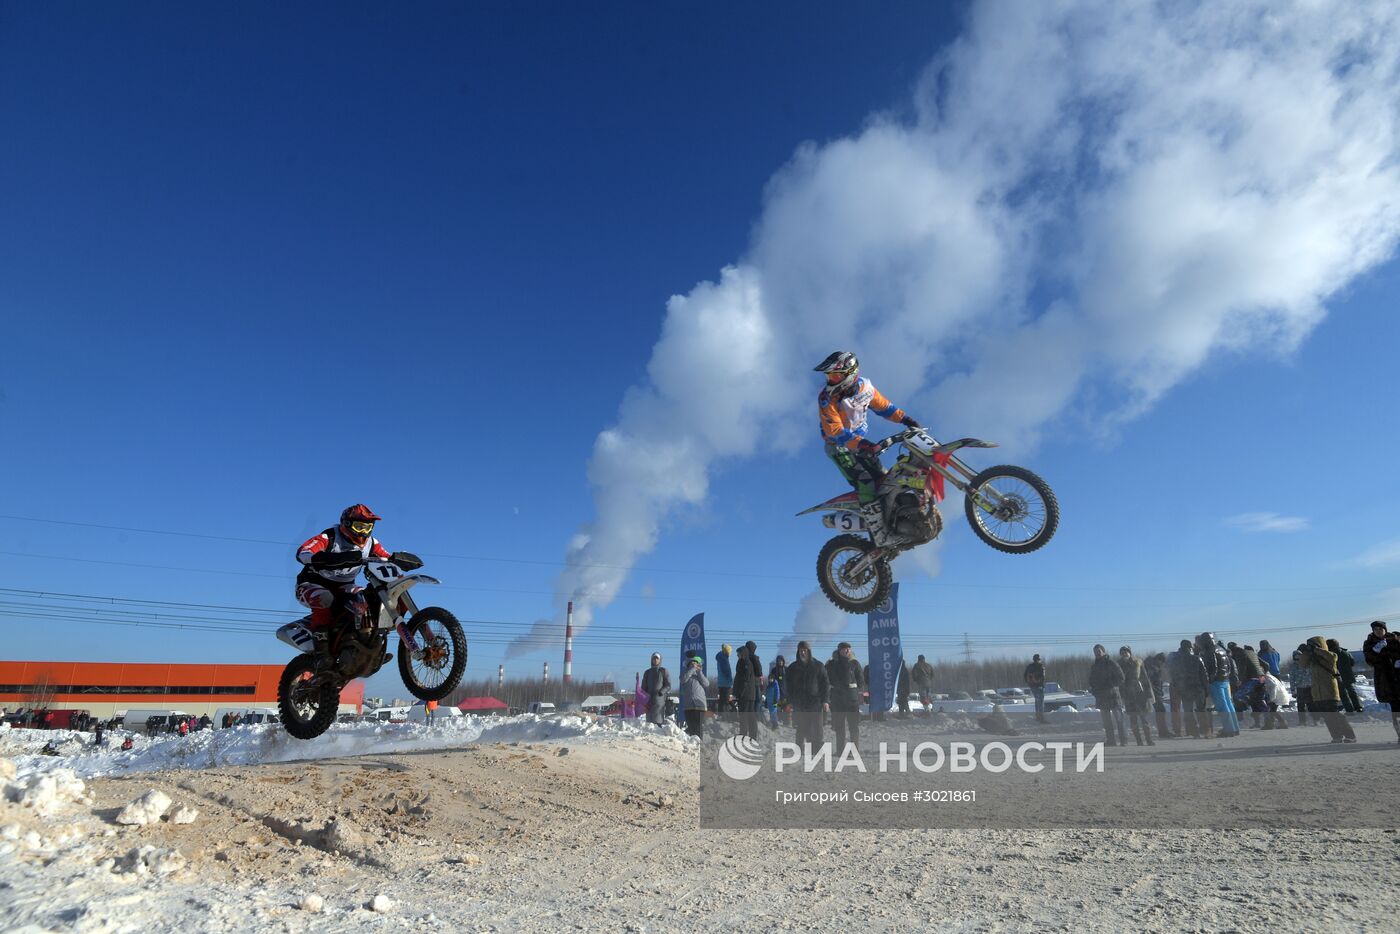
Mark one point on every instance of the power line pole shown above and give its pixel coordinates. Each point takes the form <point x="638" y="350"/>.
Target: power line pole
<point x="967" y="652"/>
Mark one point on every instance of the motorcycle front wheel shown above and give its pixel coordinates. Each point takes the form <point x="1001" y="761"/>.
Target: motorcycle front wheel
<point x="306" y="708"/>
<point x="854" y="592"/>
<point x="435" y="670"/>
<point x="1011" y="509"/>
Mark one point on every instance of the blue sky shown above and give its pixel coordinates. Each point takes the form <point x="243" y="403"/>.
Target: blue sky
<point x="259" y="263"/>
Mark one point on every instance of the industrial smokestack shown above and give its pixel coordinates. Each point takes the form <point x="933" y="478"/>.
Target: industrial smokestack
<point x="569" y="645"/>
<point x="546" y="671"/>
<point x="500" y="678"/>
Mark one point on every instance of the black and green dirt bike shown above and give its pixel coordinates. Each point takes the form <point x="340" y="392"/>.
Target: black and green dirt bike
<point x="432" y="650"/>
<point x="1009" y="508"/>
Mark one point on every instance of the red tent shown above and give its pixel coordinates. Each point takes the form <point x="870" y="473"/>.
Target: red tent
<point x="482" y="705"/>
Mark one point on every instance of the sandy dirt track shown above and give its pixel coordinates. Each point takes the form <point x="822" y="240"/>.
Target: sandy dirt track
<point x="603" y="836"/>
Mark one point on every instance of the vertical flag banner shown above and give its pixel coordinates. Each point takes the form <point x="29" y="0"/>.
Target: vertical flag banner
<point x="693" y="643"/>
<point x="639" y="698"/>
<point x="885" y="653"/>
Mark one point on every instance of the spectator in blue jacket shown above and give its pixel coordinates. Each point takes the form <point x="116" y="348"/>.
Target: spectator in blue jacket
<point x="724" y="678"/>
<point x="1269" y="656"/>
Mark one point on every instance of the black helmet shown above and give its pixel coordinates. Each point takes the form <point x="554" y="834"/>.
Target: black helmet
<point x="841" y="369"/>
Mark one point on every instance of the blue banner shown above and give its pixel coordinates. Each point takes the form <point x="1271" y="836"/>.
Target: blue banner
<point x="886" y="656"/>
<point x="693" y="643"/>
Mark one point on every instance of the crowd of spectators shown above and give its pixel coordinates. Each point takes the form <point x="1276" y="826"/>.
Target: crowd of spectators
<point x="1201" y="690"/>
<point x="1206" y="680"/>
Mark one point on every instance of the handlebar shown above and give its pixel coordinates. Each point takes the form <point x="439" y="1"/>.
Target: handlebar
<point x="339" y="560"/>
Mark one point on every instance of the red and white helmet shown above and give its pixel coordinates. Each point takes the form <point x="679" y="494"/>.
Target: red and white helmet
<point x="841" y="369"/>
<point x="357" y="522"/>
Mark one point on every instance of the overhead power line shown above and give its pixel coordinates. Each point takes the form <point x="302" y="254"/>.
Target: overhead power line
<point x="707" y="572"/>
<point x="49" y="607"/>
<point x="699" y="600"/>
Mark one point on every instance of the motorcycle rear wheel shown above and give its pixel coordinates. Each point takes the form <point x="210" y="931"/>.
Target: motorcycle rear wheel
<point x="438" y="668"/>
<point x="306" y="710"/>
<point x="860" y="596"/>
<point x="1011" y="509"/>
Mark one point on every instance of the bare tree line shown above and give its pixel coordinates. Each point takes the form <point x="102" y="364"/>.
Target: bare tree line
<point x="521" y="692"/>
<point x="1070" y="671"/>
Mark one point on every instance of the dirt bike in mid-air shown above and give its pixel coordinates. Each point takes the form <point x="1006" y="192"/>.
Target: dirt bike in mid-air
<point x="1008" y="507"/>
<point x="432" y="647"/>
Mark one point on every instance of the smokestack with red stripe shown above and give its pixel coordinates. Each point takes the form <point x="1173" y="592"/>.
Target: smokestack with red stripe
<point x="569" y="645"/>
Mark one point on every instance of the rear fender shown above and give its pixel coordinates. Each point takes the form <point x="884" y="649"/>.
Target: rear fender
<point x="297" y="635"/>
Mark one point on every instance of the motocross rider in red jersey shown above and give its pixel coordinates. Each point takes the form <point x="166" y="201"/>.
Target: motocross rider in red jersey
<point x="843" y="406"/>
<point x="331" y="563"/>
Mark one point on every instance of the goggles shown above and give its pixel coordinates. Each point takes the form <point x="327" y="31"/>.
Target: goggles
<point x="362" y="528"/>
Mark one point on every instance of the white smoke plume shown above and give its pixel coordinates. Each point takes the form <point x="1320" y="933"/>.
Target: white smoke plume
<point x="1080" y="205"/>
<point x="816" y="620"/>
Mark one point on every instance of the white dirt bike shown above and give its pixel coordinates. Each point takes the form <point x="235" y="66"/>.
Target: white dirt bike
<point x="432" y="647"/>
<point x="1009" y="508"/>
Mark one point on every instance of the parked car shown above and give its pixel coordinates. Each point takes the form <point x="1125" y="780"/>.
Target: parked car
<point x="597" y="703"/>
<point x="23" y="717"/>
<point x="540" y="707"/>
<point x="57" y="718"/>
<point x="157" y="721"/>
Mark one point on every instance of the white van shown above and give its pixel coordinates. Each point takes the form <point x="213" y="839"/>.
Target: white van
<point x="540" y="707"/>
<point x="418" y="713"/>
<point x="390" y="714"/>
<point x="158" y="721"/>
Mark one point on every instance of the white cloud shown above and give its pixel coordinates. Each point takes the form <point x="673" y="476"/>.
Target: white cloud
<point x="1383" y="555"/>
<point x="1267" y="522"/>
<point x="1088" y="202"/>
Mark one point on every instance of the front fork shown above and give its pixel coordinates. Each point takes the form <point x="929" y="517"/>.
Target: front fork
<point x="408" y="638"/>
<point x="987" y="500"/>
<point x="406" y="632"/>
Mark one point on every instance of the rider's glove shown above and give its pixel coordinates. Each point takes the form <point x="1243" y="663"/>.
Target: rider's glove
<point x="867" y="447"/>
<point x="909" y="422"/>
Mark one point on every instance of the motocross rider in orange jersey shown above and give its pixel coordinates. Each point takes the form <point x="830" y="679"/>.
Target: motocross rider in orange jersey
<point x="843" y="406"/>
<point x="331" y="562"/>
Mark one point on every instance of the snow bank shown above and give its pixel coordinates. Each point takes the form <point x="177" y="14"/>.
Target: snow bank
<point x="47" y="793"/>
<point x="262" y="743"/>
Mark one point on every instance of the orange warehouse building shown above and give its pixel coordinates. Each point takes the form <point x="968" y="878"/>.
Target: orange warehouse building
<point x="107" y="688"/>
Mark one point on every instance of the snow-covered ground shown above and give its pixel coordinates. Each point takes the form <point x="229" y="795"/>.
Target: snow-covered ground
<point x="267" y="743"/>
<point x="566" y="822"/>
